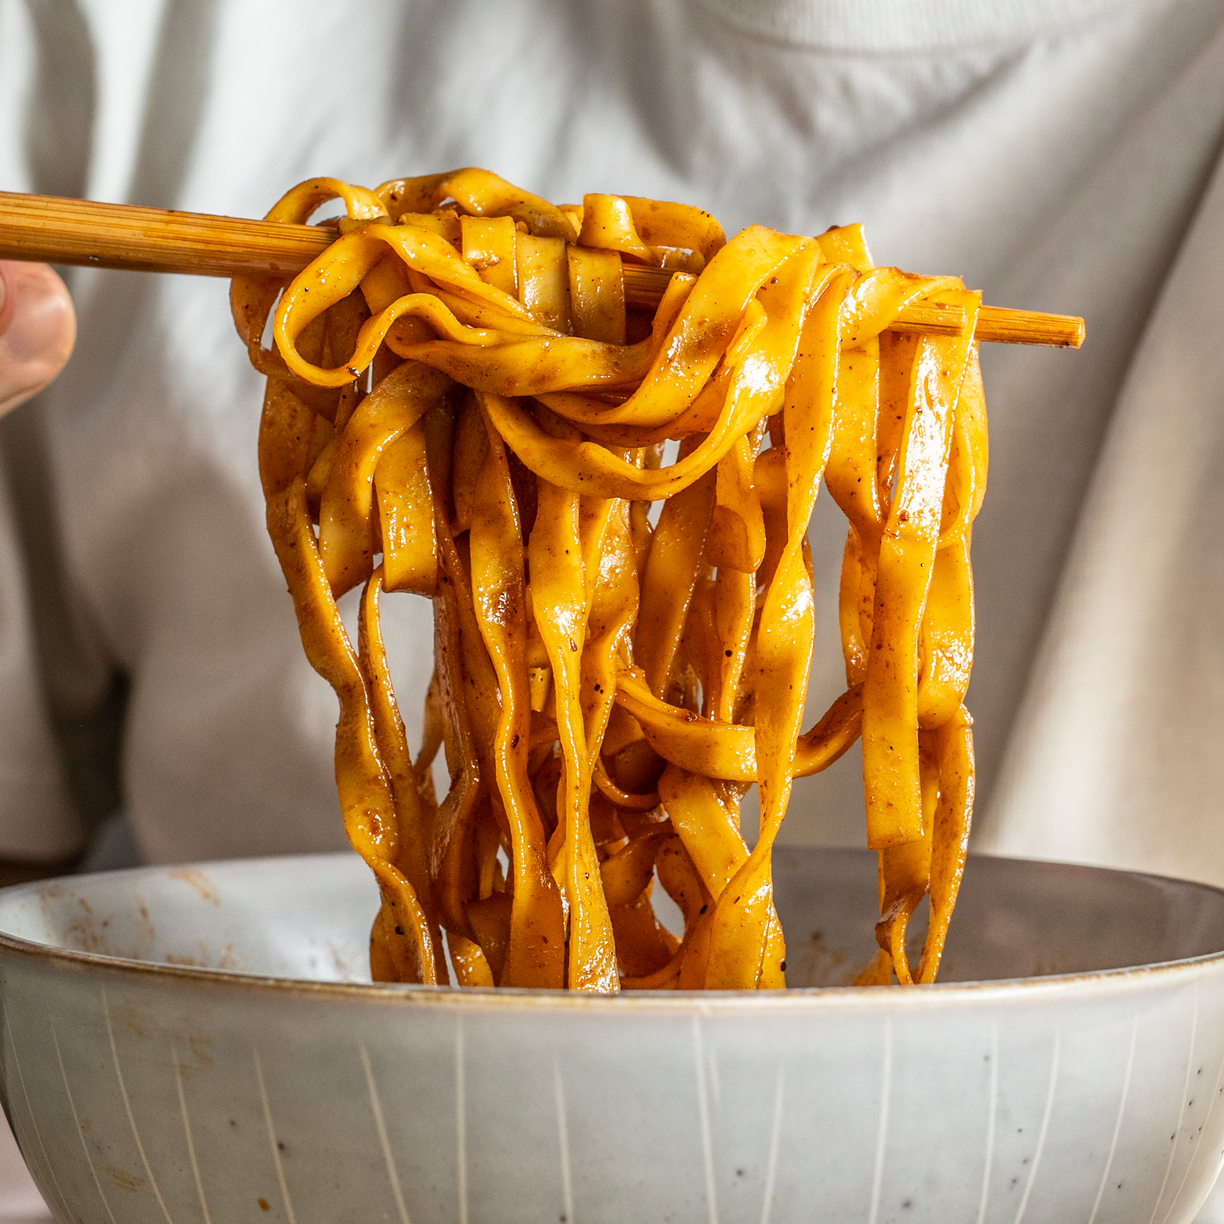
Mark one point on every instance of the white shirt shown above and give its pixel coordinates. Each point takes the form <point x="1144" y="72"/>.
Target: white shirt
<point x="1059" y="154"/>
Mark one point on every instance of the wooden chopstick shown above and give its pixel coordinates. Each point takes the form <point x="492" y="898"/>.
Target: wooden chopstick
<point x="644" y="288"/>
<point x="84" y="233"/>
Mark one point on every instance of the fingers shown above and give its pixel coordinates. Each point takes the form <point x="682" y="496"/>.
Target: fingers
<point x="37" y="330"/>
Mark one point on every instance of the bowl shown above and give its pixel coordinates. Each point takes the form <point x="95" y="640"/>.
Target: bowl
<point x="198" y="1044"/>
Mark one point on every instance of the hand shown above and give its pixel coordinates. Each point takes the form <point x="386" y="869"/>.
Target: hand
<point x="37" y="328"/>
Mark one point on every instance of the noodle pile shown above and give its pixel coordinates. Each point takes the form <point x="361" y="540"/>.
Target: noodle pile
<point x="461" y="405"/>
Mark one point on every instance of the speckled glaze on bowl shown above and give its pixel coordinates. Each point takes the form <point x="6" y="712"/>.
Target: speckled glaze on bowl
<point x="197" y="1045"/>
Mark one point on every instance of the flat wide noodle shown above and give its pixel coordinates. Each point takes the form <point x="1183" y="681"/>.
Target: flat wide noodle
<point x="460" y="405"/>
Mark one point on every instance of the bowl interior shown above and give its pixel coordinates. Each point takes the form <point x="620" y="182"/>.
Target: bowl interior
<point x="308" y="917"/>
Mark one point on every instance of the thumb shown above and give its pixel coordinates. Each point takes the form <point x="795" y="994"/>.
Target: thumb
<point x="37" y="329"/>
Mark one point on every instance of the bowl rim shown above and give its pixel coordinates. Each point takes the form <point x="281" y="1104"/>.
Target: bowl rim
<point x="1079" y="984"/>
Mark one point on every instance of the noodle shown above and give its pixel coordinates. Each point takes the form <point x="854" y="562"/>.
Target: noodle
<point x="461" y="405"/>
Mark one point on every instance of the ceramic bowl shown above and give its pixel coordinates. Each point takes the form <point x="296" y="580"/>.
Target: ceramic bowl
<point x="199" y="1045"/>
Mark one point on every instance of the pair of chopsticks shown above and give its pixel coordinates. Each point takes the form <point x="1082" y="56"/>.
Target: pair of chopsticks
<point x="87" y="234"/>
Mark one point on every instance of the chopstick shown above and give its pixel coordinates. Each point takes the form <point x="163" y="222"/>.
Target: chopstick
<point x="83" y="233"/>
